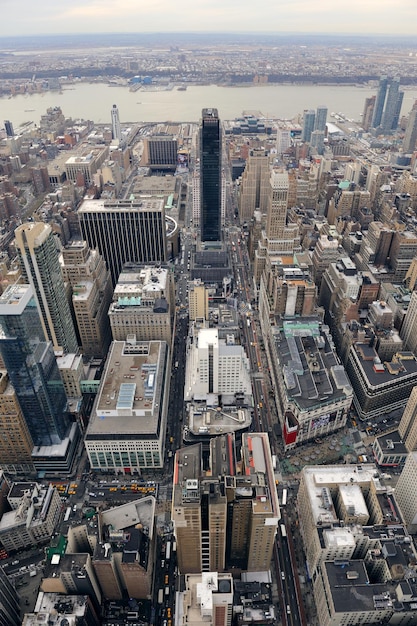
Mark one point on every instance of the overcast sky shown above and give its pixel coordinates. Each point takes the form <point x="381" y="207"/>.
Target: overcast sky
<point x="36" y="17"/>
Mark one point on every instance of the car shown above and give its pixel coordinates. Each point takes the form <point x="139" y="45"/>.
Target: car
<point x="91" y="494"/>
<point x="16" y="562"/>
<point x="283" y="575"/>
<point x="101" y="493"/>
<point x="288" y="610"/>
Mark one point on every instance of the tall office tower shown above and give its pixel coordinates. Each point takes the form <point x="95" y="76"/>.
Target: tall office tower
<point x="253" y="191"/>
<point x="9" y="602"/>
<point x="283" y="141"/>
<point x="32" y="367"/>
<point x="39" y="259"/>
<point x="276" y="218"/>
<point x="406" y="492"/>
<point x="210" y="176"/>
<point x="317" y="140"/>
<point x="410" y="137"/>
<point x="368" y="112"/>
<point x="161" y="152"/>
<point x="309" y="121"/>
<point x="408" y="423"/>
<point x="321" y="118"/>
<point x="125" y="231"/>
<point x="353" y="172"/>
<point x="116" y="130"/>
<point x="379" y="102"/>
<point x="90" y="280"/>
<point x="278" y="238"/>
<point x="408" y="332"/>
<point x="391" y="114"/>
<point x="226" y="516"/>
<point x="326" y="251"/>
<point x="9" y="128"/>
<point x="15" y="441"/>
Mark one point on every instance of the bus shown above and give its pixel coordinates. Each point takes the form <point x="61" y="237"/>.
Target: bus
<point x="160" y="596"/>
<point x="284" y="497"/>
<point x="67" y="514"/>
<point x="174" y="546"/>
<point x="168" y="551"/>
<point x="283" y="530"/>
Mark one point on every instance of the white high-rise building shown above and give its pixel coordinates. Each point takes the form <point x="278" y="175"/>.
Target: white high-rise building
<point x="215" y="365"/>
<point x="283" y="140"/>
<point x="115" y="123"/>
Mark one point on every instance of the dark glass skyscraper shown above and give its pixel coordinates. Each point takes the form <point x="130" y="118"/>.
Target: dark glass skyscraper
<point x="309" y="120"/>
<point x="392" y="109"/>
<point x="32" y="367"/>
<point x="387" y="105"/>
<point x="380" y="101"/>
<point x="210" y="176"/>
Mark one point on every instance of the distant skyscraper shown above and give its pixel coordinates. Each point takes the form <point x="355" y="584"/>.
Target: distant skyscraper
<point x="9" y="128"/>
<point x="410" y="137"/>
<point x="39" y="259"/>
<point x="321" y="118"/>
<point x="380" y="101"/>
<point x="368" y="112"/>
<point x="317" y="140"/>
<point x="283" y="140"/>
<point x="308" y="124"/>
<point x="210" y="173"/>
<point x="253" y="191"/>
<point x="387" y="105"/>
<point x="115" y="123"/>
<point x="32" y="367"/>
<point x="392" y="109"/>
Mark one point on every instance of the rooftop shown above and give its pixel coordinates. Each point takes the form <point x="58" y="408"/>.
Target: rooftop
<point x="130" y="397"/>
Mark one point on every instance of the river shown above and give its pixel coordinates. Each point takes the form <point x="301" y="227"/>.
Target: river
<point x="94" y="101"/>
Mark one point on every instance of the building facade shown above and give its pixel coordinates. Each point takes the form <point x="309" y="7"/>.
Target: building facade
<point x="90" y="280"/>
<point x="39" y="259"/>
<point x="32" y="367"/>
<point x="210" y="176"/>
<point x="125" y="231"/>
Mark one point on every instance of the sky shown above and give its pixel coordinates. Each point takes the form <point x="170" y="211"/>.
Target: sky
<point x="38" y="17"/>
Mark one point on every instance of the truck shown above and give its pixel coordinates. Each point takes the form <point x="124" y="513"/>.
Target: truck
<point x="168" y="551"/>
